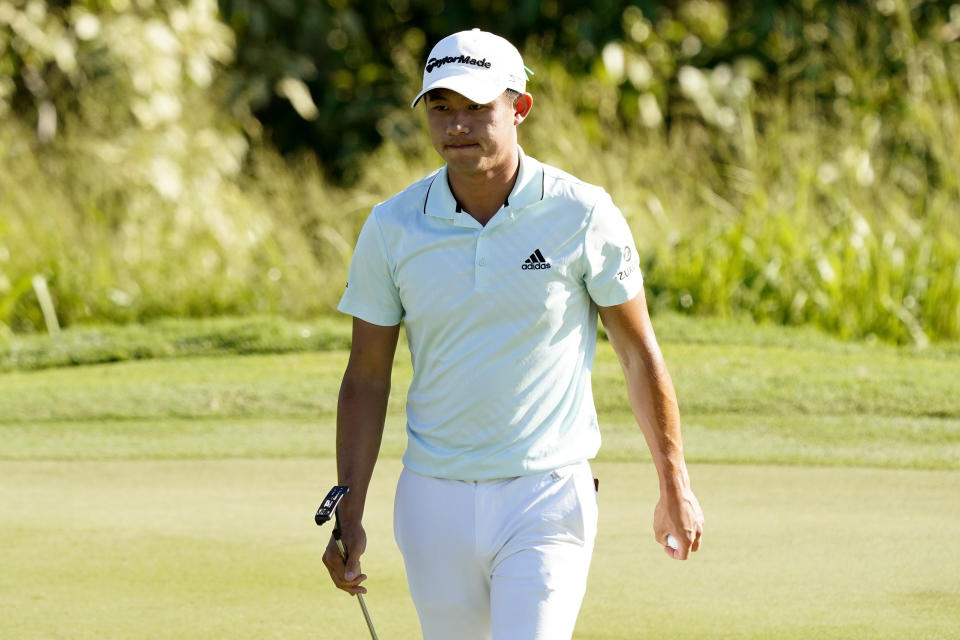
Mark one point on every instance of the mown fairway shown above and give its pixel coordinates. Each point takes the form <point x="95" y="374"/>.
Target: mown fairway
<point x="174" y="498"/>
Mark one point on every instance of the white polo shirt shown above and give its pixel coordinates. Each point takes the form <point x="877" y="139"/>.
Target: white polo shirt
<point x="501" y="319"/>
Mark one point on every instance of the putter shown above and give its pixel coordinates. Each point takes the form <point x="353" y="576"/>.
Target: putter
<point x="330" y="508"/>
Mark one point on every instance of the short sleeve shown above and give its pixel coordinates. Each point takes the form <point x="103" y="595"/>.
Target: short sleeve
<point x="612" y="274"/>
<point x="371" y="292"/>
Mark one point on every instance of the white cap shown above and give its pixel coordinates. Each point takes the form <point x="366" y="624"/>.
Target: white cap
<point x="475" y="64"/>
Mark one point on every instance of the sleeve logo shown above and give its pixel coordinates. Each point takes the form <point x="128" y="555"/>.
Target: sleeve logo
<point x="628" y="270"/>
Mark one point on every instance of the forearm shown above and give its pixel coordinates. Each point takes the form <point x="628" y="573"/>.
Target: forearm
<point x="654" y="403"/>
<point x="361" y="411"/>
<point x="653" y="400"/>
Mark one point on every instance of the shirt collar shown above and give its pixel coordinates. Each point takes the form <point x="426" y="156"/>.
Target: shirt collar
<point x="441" y="203"/>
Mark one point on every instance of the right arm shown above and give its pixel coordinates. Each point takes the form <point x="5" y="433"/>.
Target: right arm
<point x="361" y="411"/>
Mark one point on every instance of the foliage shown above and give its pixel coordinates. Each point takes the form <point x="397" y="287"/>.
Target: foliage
<point x="129" y="198"/>
<point x="831" y="193"/>
<point x="721" y="89"/>
<point x="326" y="74"/>
<point x="792" y="161"/>
<point x="777" y="195"/>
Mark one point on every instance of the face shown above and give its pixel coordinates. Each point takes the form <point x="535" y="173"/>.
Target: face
<point x="475" y="138"/>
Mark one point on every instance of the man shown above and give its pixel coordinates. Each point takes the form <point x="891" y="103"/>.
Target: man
<point x="497" y="265"/>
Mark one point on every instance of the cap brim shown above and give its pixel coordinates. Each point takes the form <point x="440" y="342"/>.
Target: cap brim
<point x="467" y="86"/>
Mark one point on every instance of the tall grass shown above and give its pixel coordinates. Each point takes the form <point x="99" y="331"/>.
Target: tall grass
<point x="785" y="201"/>
<point x="843" y="214"/>
<point x="129" y="254"/>
<point x="826" y="195"/>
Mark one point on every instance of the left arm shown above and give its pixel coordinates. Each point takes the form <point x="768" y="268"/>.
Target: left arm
<point x="654" y="403"/>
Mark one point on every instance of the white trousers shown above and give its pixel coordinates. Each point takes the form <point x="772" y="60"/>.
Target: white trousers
<point x="501" y="560"/>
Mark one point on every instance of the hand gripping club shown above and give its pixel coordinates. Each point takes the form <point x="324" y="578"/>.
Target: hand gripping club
<point x="329" y="508"/>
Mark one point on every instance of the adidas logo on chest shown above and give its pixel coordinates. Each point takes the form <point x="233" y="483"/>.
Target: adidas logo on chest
<point x="536" y="261"/>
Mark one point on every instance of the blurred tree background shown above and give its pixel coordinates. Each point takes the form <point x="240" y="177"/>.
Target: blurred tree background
<point x="793" y="161"/>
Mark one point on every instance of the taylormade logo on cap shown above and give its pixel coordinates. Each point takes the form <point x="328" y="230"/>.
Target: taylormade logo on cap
<point x="433" y="63"/>
<point x="475" y="64"/>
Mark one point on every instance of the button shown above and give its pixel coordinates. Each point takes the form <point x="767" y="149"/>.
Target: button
<point x="482" y="262"/>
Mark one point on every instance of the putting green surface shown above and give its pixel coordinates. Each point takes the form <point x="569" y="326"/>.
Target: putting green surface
<point x="228" y="549"/>
<point x="174" y="498"/>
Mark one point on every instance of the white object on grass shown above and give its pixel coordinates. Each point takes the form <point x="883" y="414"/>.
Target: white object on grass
<point x="46" y="304"/>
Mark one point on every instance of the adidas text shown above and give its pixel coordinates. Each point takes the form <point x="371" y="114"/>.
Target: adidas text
<point x="535" y="261"/>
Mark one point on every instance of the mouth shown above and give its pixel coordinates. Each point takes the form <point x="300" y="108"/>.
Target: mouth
<point x="458" y="146"/>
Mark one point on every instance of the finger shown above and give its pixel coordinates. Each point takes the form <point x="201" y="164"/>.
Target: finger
<point x="351" y="552"/>
<point x="352" y="568"/>
<point x="333" y="561"/>
<point x="354" y="589"/>
<point x="336" y="567"/>
<point x="352" y="573"/>
<point x="352" y="586"/>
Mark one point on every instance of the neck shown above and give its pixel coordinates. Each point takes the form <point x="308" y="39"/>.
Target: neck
<point x="482" y="194"/>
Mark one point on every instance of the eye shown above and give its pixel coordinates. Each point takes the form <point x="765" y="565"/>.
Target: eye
<point x="477" y="107"/>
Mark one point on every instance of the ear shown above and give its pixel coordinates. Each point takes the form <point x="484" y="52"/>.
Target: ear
<point x="522" y="108"/>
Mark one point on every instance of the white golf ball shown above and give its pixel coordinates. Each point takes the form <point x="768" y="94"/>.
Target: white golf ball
<point x="672" y="542"/>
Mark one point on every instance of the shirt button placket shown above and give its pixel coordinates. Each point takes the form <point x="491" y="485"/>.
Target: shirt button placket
<point x="481" y="263"/>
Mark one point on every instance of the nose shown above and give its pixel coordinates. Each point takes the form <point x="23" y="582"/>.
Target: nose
<point x="458" y="124"/>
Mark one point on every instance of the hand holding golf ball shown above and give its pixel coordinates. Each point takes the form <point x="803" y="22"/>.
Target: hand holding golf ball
<point x="678" y="520"/>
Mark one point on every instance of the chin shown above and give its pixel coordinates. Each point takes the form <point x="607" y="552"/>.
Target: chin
<point x="464" y="162"/>
<point x="468" y="168"/>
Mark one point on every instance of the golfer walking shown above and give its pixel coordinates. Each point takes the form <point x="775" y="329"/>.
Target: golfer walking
<point x="498" y="266"/>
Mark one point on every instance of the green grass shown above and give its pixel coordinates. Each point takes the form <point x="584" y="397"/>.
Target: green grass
<point x="173" y="497"/>
<point x="170" y="338"/>
<point x="748" y="393"/>
<point x="227" y="549"/>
